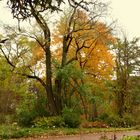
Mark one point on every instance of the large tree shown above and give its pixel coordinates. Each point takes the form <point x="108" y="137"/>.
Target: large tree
<point x="25" y="9"/>
<point x="87" y="49"/>
<point x="127" y="67"/>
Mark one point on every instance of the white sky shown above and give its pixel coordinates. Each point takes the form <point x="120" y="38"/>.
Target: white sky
<point x="127" y="13"/>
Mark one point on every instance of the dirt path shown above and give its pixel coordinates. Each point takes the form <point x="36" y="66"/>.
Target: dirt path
<point x="93" y="136"/>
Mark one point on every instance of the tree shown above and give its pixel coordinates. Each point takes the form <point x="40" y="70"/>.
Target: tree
<point x="127" y="65"/>
<point x="36" y="9"/>
<point x="86" y="48"/>
<point x="89" y="43"/>
<point x="10" y="94"/>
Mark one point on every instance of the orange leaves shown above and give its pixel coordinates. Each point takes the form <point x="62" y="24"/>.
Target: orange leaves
<point x="37" y="53"/>
<point x="99" y="61"/>
<point x="89" y="43"/>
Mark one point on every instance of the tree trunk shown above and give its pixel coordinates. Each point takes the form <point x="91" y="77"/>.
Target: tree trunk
<point x="58" y="80"/>
<point x="51" y="100"/>
<point x="58" y="94"/>
<point x="52" y="106"/>
<point x="95" y="113"/>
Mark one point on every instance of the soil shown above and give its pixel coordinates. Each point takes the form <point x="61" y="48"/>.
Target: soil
<point x="93" y="136"/>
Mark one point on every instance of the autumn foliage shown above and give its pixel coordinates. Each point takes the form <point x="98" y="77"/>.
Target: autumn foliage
<point x="71" y="67"/>
<point x="89" y="43"/>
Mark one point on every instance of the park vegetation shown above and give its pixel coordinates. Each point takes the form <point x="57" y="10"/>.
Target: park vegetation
<point x="68" y="68"/>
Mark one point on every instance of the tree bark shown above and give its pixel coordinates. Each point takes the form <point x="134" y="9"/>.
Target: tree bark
<point x="46" y="46"/>
<point x="51" y="100"/>
<point x="58" y="80"/>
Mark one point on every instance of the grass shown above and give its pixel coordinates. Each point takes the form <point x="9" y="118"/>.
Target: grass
<point x="8" y="132"/>
<point x="131" y="138"/>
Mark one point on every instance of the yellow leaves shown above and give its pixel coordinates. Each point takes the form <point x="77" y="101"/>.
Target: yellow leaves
<point x="23" y="40"/>
<point x="37" y="53"/>
<point x="104" y="33"/>
<point x="57" y="39"/>
<point x="90" y="42"/>
<point x="81" y="20"/>
<point x="98" y="60"/>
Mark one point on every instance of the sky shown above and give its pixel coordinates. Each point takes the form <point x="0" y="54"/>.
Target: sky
<point x="126" y="12"/>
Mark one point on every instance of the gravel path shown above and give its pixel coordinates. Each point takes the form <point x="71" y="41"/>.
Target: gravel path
<point x="93" y="136"/>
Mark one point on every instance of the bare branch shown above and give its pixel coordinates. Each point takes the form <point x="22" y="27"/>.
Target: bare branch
<point x="7" y="59"/>
<point x="33" y="77"/>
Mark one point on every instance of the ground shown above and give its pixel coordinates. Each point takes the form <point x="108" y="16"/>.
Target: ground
<point x="92" y="136"/>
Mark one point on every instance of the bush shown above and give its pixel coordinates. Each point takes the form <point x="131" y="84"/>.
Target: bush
<point x="71" y="118"/>
<point x="95" y="124"/>
<point x="49" y="122"/>
<point x="6" y="119"/>
<point x="128" y="120"/>
<point x="137" y="127"/>
<point x="2" y="118"/>
<point x="103" y="116"/>
<point x="116" y="121"/>
<point x="13" y="131"/>
<point x="40" y="106"/>
<point x="26" y="113"/>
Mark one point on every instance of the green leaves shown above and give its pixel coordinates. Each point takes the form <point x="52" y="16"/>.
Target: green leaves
<point x="70" y="72"/>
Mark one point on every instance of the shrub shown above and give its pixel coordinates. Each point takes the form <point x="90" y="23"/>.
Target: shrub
<point x="137" y="127"/>
<point x="40" y="106"/>
<point x="48" y="122"/>
<point x="103" y="116"/>
<point x="25" y="117"/>
<point x="2" y="118"/>
<point x="6" y="119"/>
<point x="58" y="121"/>
<point x="99" y="124"/>
<point x="116" y="121"/>
<point x="96" y="124"/>
<point x="128" y="120"/>
<point x="71" y="118"/>
<point x="25" y="112"/>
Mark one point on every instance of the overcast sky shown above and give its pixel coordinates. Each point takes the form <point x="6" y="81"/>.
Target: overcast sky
<point x="127" y="13"/>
